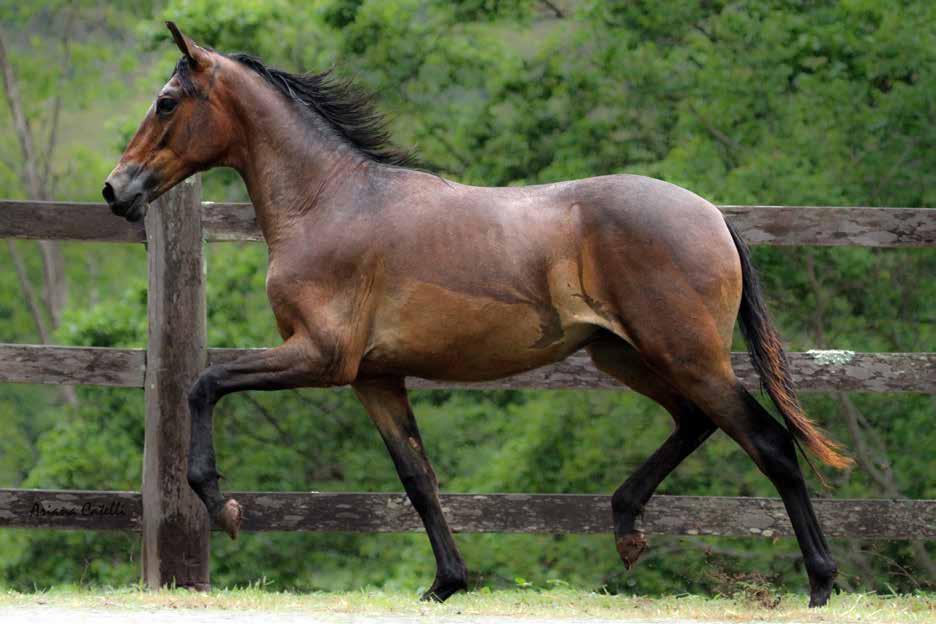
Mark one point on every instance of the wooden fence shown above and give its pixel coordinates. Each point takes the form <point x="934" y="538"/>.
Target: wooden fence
<point x="172" y="522"/>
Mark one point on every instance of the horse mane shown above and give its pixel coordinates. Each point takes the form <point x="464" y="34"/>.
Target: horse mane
<point x="345" y="107"/>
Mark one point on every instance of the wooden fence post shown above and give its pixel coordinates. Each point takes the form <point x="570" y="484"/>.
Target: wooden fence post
<point x="176" y="528"/>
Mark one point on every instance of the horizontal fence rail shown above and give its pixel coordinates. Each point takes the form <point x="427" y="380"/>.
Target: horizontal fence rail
<point x="47" y="364"/>
<point x="77" y="221"/>
<point x="486" y="513"/>
<point x="760" y="225"/>
<point x="814" y="371"/>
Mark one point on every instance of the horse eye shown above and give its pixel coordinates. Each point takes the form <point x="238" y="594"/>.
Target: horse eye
<point x="164" y="106"/>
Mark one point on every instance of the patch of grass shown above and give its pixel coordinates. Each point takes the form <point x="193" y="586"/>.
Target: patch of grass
<point x="554" y="603"/>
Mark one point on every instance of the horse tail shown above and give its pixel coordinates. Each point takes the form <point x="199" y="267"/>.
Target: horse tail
<point x="770" y="362"/>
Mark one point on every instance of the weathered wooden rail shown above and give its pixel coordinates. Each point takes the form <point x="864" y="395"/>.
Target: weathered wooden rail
<point x="813" y="371"/>
<point x="171" y="521"/>
<point x="485" y="513"/>
<point x="760" y="225"/>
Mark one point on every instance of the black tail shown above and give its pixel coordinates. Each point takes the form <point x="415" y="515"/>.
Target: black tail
<point x="770" y="362"/>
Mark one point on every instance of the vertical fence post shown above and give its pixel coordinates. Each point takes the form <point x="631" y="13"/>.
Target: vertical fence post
<point x="176" y="529"/>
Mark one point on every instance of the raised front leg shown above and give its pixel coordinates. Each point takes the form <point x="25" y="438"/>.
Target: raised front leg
<point x="389" y="408"/>
<point x="294" y="364"/>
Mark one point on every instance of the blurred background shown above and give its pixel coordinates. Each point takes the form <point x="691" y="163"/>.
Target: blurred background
<point x="748" y="102"/>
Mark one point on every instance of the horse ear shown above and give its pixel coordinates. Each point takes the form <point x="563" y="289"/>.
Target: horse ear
<point x="195" y="54"/>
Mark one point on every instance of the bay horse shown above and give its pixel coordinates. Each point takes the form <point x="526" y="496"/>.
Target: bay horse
<point x="379" y="271"/>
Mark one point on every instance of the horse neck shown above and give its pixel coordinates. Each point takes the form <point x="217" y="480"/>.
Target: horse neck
<point x="289" y="163"/>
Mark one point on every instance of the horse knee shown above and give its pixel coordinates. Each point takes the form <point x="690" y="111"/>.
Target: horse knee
<point x="821" y="565"/>
<point x="204" y="392"/>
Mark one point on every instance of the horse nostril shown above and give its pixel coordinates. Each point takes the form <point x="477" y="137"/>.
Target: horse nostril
<point x="108" y="193"/>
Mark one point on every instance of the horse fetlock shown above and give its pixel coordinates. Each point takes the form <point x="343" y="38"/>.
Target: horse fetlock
<point x="200" y="475"/>
<point x="453" y="573"/>
<point x="630" y="547"/>
<point x="822" y="568"/>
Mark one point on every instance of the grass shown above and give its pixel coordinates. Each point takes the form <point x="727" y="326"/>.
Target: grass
<point x="554" y="603"/>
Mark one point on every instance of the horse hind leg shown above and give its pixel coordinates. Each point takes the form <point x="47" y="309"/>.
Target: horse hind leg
<point x="701" y="371"/>
<point x="617" y="358"/>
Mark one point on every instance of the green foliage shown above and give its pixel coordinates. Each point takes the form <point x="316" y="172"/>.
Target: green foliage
<point x="227" y="25"/>
<point x="744" y="101"/>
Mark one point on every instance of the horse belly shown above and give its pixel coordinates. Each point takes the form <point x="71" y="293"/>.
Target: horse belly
<point x="436" y="333"/>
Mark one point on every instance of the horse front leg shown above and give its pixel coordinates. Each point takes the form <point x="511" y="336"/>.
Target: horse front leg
<point x="293" y="364"/>
<point x="389" y="408"/>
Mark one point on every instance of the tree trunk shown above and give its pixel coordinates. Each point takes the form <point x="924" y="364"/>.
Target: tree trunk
<point x="55" y="285"/>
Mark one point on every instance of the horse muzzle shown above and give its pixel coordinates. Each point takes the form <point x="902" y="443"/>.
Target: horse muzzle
<point x="126" y="192"/>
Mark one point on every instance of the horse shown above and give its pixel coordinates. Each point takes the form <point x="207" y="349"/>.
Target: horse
<point x="379" y="270"/>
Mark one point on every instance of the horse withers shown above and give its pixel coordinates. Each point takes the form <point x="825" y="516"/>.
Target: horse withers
<point x="379" y="271"/>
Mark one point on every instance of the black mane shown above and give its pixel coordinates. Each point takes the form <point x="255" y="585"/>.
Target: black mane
<point x="347" y="109"/>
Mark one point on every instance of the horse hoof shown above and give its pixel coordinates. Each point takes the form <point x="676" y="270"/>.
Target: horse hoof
<point x="631" y="547"/>
<point x="819" y="595"/>
<point x="442" y="590"/>
<point x="229" y="518"/>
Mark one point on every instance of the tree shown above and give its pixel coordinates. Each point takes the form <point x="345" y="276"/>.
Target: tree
<point x="37" y="177"/>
